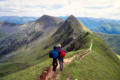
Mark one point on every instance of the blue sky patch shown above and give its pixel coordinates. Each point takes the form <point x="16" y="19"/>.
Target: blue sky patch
<point x="3" y="0"/>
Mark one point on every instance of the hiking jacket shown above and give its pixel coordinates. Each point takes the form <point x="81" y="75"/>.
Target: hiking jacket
<point x="55" y="54"/>
<point x="59" y="58"/>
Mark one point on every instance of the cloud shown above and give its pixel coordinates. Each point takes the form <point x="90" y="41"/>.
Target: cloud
<point x="7" y="10"/>
<point x="51" y="7"/>
<point x="81" y="8"/>
<point x="99" y="7"/>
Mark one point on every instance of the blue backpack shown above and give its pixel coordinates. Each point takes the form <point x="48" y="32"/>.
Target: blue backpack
<point x="54" y="54"/>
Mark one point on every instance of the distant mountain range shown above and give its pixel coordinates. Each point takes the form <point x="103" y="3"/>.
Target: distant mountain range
<point x="94" y="24"/>
<point x="108" y="26"/>
<point x="16" y="19"/>
<point x="102" y="25"/>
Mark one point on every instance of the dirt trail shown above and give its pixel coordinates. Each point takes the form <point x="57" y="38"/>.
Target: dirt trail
<point x="51" y="75"/>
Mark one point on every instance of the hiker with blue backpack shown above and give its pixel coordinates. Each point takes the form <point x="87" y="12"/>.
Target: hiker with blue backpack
<point x="57" y="54"/>
<point x="54" y="54"/>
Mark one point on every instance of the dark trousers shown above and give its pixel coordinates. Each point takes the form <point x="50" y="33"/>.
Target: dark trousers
<point x="61" y="64"/>
<point x="55" y="64"/>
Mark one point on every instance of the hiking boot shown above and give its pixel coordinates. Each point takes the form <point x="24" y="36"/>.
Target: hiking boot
<point x="61" y="69"/>
<point x="54" y="69"/>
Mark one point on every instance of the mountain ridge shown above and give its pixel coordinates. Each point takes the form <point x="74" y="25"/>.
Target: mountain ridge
<point x="34" y="58"/>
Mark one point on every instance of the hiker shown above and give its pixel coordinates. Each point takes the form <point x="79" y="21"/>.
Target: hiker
<point x="54" y="54"/>
<point x="61" y="56"/>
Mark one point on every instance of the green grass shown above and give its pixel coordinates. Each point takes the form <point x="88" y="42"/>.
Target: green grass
<point x="27" y="57"/>
<point x="31" y="73"/>
<point x="70" y="54"/>
<point x="41" y="60"/>
<point x="118" y="56"/>
<point x="112" y="40"/>
<point x="10" y="67"/>
<point x="99" y="64"/>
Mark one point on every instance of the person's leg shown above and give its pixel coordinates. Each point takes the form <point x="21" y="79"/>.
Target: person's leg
<point x="54" y="64"/>
<point x="54" y="67"/>
<point x="61" y="64"/>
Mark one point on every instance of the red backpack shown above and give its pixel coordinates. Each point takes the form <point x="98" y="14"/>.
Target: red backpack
<point x="62" y="53"/>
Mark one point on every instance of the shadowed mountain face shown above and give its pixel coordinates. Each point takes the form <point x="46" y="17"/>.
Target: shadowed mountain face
<point x="29" y="32"/>
<point x="8" y="28"/>
<point x="68" y="31"/>
<point x="62" y="32"/>
<point x="45" y="24"/>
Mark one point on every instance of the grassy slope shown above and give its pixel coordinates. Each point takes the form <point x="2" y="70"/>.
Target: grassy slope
<point x="100" y="64"/>
<point x="112" y="40"/>
<point x="33" y="72"/>
<point x="118" y="56"/>
<point x="27" y="57"/>
<point x="6" y="68"/>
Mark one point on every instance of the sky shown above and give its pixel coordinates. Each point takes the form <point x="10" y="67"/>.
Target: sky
<point x="81" y="8"/>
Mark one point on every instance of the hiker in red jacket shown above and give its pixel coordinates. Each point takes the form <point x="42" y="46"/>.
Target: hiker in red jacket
<point x="61" y="56"/>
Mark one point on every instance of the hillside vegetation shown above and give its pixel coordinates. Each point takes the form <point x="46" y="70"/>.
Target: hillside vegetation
<point x="113" y="40"/>
<point x="33" y="72"/>
<point x="118" y="56"/>
<point x="100" y="64"/>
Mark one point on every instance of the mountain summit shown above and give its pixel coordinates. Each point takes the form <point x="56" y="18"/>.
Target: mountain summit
<point x="72" y="26"/>
<point x="69" y="30"/>
<point x="72" y="19"/>
<point x="49" y="20"/>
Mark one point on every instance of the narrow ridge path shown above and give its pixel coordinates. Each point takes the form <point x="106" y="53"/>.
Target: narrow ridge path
<point x="51" y="75"/>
